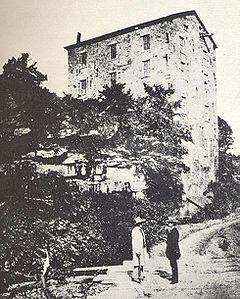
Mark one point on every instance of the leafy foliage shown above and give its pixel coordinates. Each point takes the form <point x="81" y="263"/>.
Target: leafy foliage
<point x="42" y="211"/>
<point x="79" y="229"/>
<point x="145" y="129"/>
<point x="142" y="129"/>
<point x="157" y="142"/>
<point x="26" y="109"/>
<point x="225" y="138"/>
<point x="226" y="190"/>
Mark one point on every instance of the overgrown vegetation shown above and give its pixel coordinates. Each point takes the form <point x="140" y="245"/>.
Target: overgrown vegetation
<point x="225" y="192"/>
<point x="27" y="110"/>
<point x="79" y="229"/>
<point x="85" y="228"/>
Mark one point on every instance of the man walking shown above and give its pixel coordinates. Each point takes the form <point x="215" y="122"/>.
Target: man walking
<point x="139" y="248"/>
<point x="172" y="250"/>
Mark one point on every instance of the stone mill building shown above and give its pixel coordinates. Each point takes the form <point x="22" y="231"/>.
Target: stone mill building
<point x="174" y="51"/>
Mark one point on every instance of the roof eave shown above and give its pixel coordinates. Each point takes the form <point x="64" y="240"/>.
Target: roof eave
<point x="141" y="25"/>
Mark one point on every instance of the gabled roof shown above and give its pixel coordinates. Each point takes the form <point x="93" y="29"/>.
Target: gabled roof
<point x="140" y="26"/>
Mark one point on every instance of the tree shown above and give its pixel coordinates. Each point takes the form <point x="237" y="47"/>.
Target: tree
<point x="27" y="110"/>
<point x="29" y="120"/>
<point x="145" y="129"/>
<point x="225" y="141"/>
<point x="160" y="143"/>
<point x="225" y="138"/>
<point x="226" y="189"/>
<point x="75" y="224"/>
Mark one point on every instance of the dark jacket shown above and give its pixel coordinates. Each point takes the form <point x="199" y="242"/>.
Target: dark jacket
<point x="173" y="251"/>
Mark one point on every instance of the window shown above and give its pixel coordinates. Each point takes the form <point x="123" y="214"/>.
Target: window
<point x="146" y="67"/>
<point x="206" y="87"/>
<point x="167" y="37"/>
<point x="113" y="77"/>
<point x="83" y="59"/>
<point x="146" y="42"/>
<point x="193" y="45"/>
<point x="182" y="42"/>
<point x="113" y="51"/>
<point x="83" y="86"/>
<point x="166" y="58"/>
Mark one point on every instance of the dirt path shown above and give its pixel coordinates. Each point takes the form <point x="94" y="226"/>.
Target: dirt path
<point x="200" y="275"/>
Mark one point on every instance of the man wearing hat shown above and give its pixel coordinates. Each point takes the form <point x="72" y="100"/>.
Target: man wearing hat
<point x="139" y="248"/>
<point x="172" y="250"/>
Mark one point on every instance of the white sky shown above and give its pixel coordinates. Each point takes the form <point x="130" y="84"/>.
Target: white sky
<point x="43" y="27"/>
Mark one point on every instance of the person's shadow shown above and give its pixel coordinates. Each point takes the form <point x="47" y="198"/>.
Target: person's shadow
<point x="163" y="274"/>
<point x="160" y="273"/>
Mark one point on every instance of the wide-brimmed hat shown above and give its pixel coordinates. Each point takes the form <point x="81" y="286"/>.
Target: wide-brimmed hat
<point x="139" y="220"/>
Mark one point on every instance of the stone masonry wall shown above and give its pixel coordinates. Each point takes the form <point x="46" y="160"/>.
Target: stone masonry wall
<point x="178" y="56"/>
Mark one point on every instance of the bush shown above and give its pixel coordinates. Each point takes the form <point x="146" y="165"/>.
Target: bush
<point x="78" y="228"/>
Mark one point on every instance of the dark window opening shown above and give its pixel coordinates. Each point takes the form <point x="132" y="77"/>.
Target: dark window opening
<point x="167" y="37"/>
<point x="113" y="51"/>
<point x="83" y="86"/>
<point x="146" y="67"/>
<point x="146" y="42"/>
<point x="83" y="59"/>
<point x="166" y="58"/>
<point x="113" y="78"/>
<point x="182" y="41"/>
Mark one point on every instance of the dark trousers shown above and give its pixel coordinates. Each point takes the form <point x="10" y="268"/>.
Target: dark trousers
<point x="174" y="266"/>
